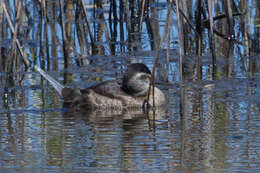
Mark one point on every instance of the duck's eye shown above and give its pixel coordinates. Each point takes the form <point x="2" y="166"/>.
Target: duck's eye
<point x="144" y="77"/>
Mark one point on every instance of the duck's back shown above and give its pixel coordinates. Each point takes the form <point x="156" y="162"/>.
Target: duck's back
<point x="111" y="89"/>
<point x="107" y="95"/>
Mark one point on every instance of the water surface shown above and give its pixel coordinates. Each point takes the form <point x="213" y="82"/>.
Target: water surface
<point x="210" y="124"/>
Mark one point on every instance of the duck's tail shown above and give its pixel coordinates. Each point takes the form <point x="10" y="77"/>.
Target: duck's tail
<point x="58" y="87"/>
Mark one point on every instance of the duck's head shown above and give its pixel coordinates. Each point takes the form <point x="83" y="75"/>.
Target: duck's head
<point x="137" y="79"/>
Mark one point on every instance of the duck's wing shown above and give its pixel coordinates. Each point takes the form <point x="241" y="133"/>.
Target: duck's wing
<point x="110" y="89"/>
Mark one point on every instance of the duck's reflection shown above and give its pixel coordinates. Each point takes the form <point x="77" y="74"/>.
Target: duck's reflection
<point x="114" y="139"/>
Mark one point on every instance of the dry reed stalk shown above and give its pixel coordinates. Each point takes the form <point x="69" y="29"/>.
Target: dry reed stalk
<point x="152" y="84"/>
<point x="25" y="59"/>
<point x="66" y="30"/>
<point x="199" y="75"/>
<point x="107" y="37"/>
<point x="88" y="25"/>
<point x="113" y="28"/>
<point x="168" y="47"/>
<point x="199" y="12"/>
<point x="127" y="12"/>
<point x="121" y="24"/>
<point x="64" y="36"/>
<point x="141" y="17"/>
<point x="211" y="39"/>
<point x="180" y="12"/>
<point x="168" y="53"/>
<point x="18" y="14"/>
<point x="181" y="41"/>
<point x="44" y="13"/>
<point x="230" y="18"/>
<point x="81" y="34"/>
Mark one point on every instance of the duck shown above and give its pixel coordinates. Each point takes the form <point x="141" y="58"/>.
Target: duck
<point x="128" y="92"/>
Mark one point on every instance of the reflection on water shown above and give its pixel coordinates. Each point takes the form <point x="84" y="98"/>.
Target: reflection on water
<point x="213" y="130"/>
<point x="210" y="124"/>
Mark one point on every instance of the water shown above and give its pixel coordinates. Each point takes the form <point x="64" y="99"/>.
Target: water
<point x="208" y="125"/>
<point x="216" y="129"/>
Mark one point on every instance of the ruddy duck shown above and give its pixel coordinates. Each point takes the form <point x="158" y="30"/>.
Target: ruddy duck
<point x="129" y="92"/>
